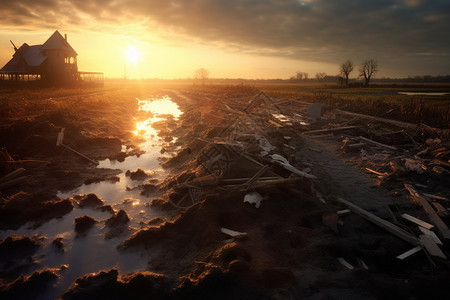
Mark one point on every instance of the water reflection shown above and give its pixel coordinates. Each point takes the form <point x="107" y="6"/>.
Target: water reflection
<point x="93" y="252"/>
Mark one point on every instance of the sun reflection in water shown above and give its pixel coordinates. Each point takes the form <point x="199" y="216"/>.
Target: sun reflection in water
<point x="157" y="106"/>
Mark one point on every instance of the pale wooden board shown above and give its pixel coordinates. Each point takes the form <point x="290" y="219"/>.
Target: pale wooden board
<point x="409" y="252"/>
<point x="417" y="221"/>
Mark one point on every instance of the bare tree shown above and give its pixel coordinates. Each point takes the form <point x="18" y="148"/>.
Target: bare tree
<point x="201" y="74"/>
<point x="320" y="76"/>
<point x="367" y="69"/>
<point x="345" y="70"/>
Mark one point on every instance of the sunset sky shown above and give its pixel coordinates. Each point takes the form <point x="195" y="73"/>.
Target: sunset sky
<point x="237" y="38"/>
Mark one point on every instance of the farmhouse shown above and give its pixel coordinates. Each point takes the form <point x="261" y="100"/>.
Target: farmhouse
<point x="52" y="63"/>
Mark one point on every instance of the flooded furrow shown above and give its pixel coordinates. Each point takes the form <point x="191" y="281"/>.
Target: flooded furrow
<point x="75" y="253"/>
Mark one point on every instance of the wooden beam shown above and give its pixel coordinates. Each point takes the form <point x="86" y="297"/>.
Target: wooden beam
<point x="12" y="175"/>
<point x="417" y="221"/>
<point x="395" y="230"/>
<point x="330" y="130"/>
<point x="409" y="252"/>
<point x="428" y="243"/>
<point x="377" y="143"/>
<point x="434" y="218"/>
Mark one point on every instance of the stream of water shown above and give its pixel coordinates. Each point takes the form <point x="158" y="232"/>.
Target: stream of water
<point x="92" y="252"/>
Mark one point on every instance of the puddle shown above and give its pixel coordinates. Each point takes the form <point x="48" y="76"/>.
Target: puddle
<point x="92" y="253"/>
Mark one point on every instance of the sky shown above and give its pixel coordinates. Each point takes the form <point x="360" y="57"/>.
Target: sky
<point x="257" y="39"/>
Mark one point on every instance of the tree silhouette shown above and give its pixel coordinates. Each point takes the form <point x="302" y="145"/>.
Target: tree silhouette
<point x="367" y="69"/>
<point x="201" y="74"/>
<point x="345" y="70"/>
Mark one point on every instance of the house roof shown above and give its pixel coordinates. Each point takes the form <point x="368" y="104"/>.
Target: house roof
<point x="27" y="56"/>
<point x="56" y="41"/>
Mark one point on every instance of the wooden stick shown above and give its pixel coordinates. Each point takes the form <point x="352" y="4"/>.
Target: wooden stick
<point x="378" y="144"/>
<point x="409" y="252"/>
<point x="12" y="182"/>
<point x="256" y="176"/>
<point x="12" y="175"/>
<point x="395" y="230"/>
<point x="330" y="130"/>
<point x="79" y="154"/>
<point x="435" y="219"/>
<point x="242" y="180"/>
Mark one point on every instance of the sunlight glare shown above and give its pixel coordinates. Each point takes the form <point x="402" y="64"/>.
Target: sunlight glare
<point x="133" y="55"/>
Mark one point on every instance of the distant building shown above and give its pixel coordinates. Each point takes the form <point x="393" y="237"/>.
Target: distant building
<point x="52" y="63"/>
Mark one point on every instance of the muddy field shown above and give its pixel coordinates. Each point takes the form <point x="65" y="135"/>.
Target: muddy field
<point x="244" y="198"/>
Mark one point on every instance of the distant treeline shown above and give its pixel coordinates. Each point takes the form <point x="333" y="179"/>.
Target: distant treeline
<point x="325" y="79"/>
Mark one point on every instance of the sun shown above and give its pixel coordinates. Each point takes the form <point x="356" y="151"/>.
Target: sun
<point x="133" y="55"/>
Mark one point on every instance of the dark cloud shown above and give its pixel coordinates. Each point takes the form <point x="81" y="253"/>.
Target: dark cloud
<point x="319" y="30"/>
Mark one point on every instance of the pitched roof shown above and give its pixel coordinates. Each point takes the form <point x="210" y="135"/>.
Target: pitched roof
<point x="56" y="41"/>
<point x="24" y="58"/>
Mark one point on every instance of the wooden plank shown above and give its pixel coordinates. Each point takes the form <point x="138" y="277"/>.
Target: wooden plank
<point x="432" y="248"/>
<point x="434" y="218"/>
<point x="395" y="230"/>
<point x="233" y="233"/>
<point x="343" y="211"/>
<point x="432" y="234"/>
<point x="417" y="221"/>
<point x="441" y="211"/>
<point x="377" y="143"/>
<point x="330" y="130"/>
<point x="265" y="183"/>
<point x="12" y="175"/>
<point x="409" y="252"/>
<point x="242" y="180"/>
<point x="12" y="182"/>
<point x="256" y="176"/>
<point x="393" y="122"/>
<point x="435" y="197"/>
<point x="79" y="154"/>
<point x="345" y="263"/>
<point x="275" y="123"/>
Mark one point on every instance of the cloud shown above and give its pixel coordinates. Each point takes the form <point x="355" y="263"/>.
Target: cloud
<point x="320" y="30"/>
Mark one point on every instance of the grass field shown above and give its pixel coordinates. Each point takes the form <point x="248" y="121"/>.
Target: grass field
<point x="380" y="100"/>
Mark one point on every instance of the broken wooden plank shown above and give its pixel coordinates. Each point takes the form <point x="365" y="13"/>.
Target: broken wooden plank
<point x="377" y="143"/>
<point x="435" y="197"/>
<point x="330" y="130"/>
<point x="432" y="248"/>
<point x="417" y="221"/>
<point x="345" y="263"/>
<point x="235" y="234"/>
<point x="79" y="154"/>
<point x="275" y="123"/>
<point x="430" y="233"/>
<point x="256" y="176"/>
<point x="265" y="183"/>
<point x="12" y="175"/>
<point x="395" y="230"/>
<point x="440" y="210"/>
<point x="362" y="264"/>
<point x="12" y="182"/>
<point x="393" y="122"/>
<point x="409" y="252"/>
<point x="434" y="218"/>
<point x="242" y="180"/>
